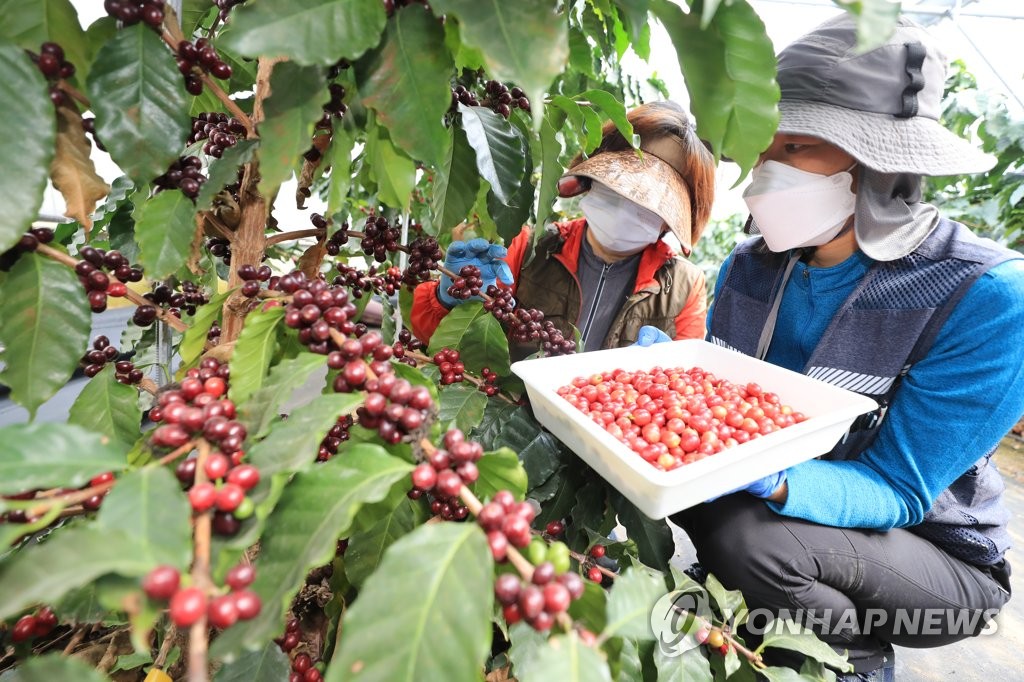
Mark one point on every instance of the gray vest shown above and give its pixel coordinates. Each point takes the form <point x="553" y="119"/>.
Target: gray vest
<point x="888" y="323"/>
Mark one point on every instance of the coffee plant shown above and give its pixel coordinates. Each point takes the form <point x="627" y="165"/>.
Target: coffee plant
<point x="302" y="494"/>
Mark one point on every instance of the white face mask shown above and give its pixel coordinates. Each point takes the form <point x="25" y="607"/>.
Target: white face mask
<point x="618" y="224"/>
<point x="795" y="208"/>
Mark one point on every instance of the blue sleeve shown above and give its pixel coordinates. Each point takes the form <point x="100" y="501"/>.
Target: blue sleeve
<point x="954" y="406"/>
<point x="719" y="279"/>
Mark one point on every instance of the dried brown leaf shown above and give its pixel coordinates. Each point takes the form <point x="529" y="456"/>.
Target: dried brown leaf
<point x="72" y="170"/>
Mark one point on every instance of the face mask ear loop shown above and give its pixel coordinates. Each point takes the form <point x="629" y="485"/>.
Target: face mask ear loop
<point x="769" y="326"/>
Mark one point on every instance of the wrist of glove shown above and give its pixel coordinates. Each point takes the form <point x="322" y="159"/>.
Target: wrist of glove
<point x="648" y="336"/>
<point x="762" y="488"/>
<point x="487" y="257"/>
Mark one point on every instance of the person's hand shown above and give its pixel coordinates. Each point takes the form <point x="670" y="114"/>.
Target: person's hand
<point x="648" y="336"/>
<point x="481" y="253"/>
<point x="762" y="487"/>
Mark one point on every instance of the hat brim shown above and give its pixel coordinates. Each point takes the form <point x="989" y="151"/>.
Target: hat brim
<point x="647" y="181"/>
<point x="883" y="142"/>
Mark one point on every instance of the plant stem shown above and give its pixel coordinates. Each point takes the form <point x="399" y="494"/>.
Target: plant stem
<point x="296" y="234"/>
<point x="165" y="647"/>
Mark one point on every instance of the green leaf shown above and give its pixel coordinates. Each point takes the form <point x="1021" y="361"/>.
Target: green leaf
<point x="340" y="157"/>
<point x="366" y="548"/>
<point x="394" y="172"/>
<point x="253" y="351"/>
<point x="500" y="470"/>
<point x="268" y="664"/>
<point x="73" y="557"/>
<point x="140" y="104"/>
<point x="406" y="81"/>
<point x="463" y="406"/>
<point x="551" y="170"/>
<point x="730" y="603"/>
<point x="526" y="642"/>
<point x="612" y="108"/>
<point x="563" y="658"/>
<point x="592" y="126"/>
<point x="574" y="114"/>
<point x="708" y="12"/>
<point x="485" y="345"/>
<point x="729" y="70"/>
<point x="165" y="225"/>
<point x="27" y="143"/>
<point x="224" y="171"/>
<point x="793" y="637"/>
<point x="298" y="94"/>
<point x="30" y="24"/>
<point x="455" y="326"/>
<point x="44" y="329"/>
<point x="108" y="407"/>
<point x="306" y="31"/>
<point x="525" y="42"/>
<point x="876" y="20"/>
<point x="635" y="12"/>
<point x="654" y="542"/>
<point x="148" y="506"/>
<point x="455" y="183"/>
<point x="499" y="147"/>
<point x="53" y="667"/>
<point x="591" y="609"/>
<point x="441" y="575"/>
<point x="315" y="510"/>
<point x="690" y="666"/>
<point x="285" y="378"/>
<point x="510" y="218"/>
<point x="194" y="340"/>
<point x="630" y="604"/>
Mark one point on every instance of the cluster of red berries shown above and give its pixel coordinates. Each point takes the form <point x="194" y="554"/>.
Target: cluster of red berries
<point x="527" y="325"/>
<point x="380" y="238"/>
<point x="203" y="55"/>
<point x="338" y="434"/>
<point x="316" y="308"/>
<point x="713" y="639"/>
<point x="303" y="670"/>
<point x="467" y="284"/>
<point x="102" y="352"/>
<point x="225" y="7"/>
<point x="29" y="242"/>
<point x="251" y="277"/>
<point x="358" y="281"/>
<point x="198" y="408"/>
<point x="130" y="12"/>
<point x="424" y="255"/>
<point x="406" y="341"/>
<point x="52" y="64"/>
<point x="450" y="366"/>
<point x="220" y="248"/>
<point x="170" y="301"/>
<point x="506" y="522"/>
<point x="220" y="130"/>
<point x="444" y="473"/>
<point x="91" y="503"/>
<point x="335" y="107"/>
<point x="498" y="98"/>
<point x="184" y="174"/>
<point x="539" y="601"/>
<point x="98" y="284"/>
<point x="33" y="625"/>
<point x="189" y="604"/>
<point x="394" y="407"/>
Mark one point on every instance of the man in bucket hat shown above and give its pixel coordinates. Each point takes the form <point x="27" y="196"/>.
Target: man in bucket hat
<point x="899" y="534"/>
<point x="608" y="273"/>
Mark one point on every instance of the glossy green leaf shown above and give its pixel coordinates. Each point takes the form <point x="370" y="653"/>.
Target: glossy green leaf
<point x="794" y="637"/>
<point x="253" y="351"/>
<point x="48" y="455"/>
<point x="574" y="115"/>
<point x="441" y="575"/>
<point x="563" y="658"/>
<point x="526" y="642"/>
<point x="612" y="108"/>
<point x="298" y="94"/>
<point x="876" y="20"/>
<point x="592" y="126"/>
<point x="406" y="81"/>
<point x="590" y="610"/>
<point x="284" y="379"/>
<point x="456" y="182"/>
<point x="165" y="225"/>
<point x="690" y="666"/>
<point x="306" y="31"/>
<point x="268" y="664"/>
<point x="44" y="329"/>
<point x="524" y="42"/>
<point x="776" y="674"/>
<point x="500" y="470"/>
<point x="52" y="667"/>
<point x="340" y="156"/>
<point x="224" y="171"/>
<point x="499" y="147"/>
<point x="551" y="170"/>
<point x="148" y="506"/>
<point x="729" y="604"/>
<point x="730" y="74"/>
<point x="140" y="103"/>
<point x="485" y="345"/>
<point x="366" y="548"/>
<point x="30" y="24"/>
<point x="653" y="537"/>
<point x="509" y="218"/>
<point x="394" y="172"/>
<point x="455" y="326"/>
<point x="630" y="604"/>
<point x="73" y="557"/>
<point x="108" y="407"/>
<point x="461" y="406"/>
<point x="635" y="12"/>
<point x="315" y="510"/>
<point x="194" y="339"/>
<point x="27" y="143"/>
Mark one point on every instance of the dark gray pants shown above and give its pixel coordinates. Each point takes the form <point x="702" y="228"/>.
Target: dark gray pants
<point x="859" y="590"/>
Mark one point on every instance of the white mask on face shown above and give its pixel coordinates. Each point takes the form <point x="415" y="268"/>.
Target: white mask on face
<point x="795" y="208"/>
<point x="618" y="224"/>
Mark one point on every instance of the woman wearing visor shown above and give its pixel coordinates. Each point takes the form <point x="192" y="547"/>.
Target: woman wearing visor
<point x="608" y="273"/>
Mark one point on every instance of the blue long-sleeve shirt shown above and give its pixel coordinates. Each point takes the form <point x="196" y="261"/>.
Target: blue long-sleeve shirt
<point x="952" y="407"/>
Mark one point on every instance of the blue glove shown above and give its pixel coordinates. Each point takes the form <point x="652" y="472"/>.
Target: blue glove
<point x="649" y="336"/>
<point x="762" y="487"/>
<point x="482" y="254"/>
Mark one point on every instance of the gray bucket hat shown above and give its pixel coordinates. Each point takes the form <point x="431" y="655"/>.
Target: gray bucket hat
<point x="882" y="106"/>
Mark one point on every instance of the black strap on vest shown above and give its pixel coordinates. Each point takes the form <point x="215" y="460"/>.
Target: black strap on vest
<point x="915" y="60"/>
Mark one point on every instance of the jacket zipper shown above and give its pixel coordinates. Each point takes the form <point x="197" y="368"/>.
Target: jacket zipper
<point x="593" y="305"/>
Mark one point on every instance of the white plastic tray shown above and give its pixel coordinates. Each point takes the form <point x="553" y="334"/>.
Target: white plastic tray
<point x="830" y="411"/>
